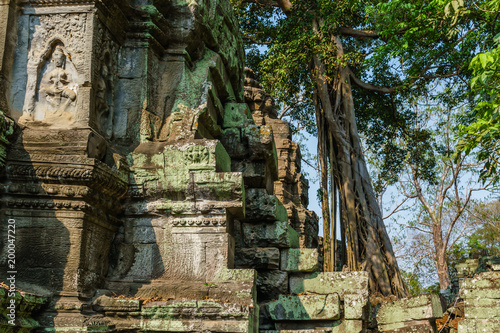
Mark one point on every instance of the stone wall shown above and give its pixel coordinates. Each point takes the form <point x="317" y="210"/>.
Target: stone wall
<point x="480" y="290"/>
<point x="123" y="196"/>
<point x="152" y="186"/>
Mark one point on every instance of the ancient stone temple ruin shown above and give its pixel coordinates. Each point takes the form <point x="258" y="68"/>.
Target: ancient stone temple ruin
<point x="150" y="184"/>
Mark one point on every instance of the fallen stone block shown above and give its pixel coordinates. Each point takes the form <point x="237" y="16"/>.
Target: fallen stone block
<point x="330" y="283"/>
<point x="305" y="307"/>
<point x="299" y="260"/>
<point x="479" y="325"/>
<point x="397" y="314"/>
<point x="356" y="307"/>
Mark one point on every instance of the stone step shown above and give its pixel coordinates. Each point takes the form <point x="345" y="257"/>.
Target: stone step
<point x="299" y="260"/>
<point x="305" y="307"/>
<point x="406" y="312"/>
<point x="330" y="283"/>
<point x="313" y="326"/>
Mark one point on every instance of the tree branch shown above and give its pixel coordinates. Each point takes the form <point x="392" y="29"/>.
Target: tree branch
<point x="369" y="86"/>
<point x="358" y="33"/>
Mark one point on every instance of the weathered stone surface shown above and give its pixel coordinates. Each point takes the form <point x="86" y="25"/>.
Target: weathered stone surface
<point x="237" y="115"/>
<point x="278" y="234"/>
<point x="7" y="127"/>
<point x="106" y="303"/>
<point x="330" y="282"/>
<point x="478" y="325"/>
<point x="264" y="207"/>
<point x="271" y="284"/>
<point x="356" y="307"/>
<point x="415" y="326"/>
<point x="305" y="307"/>
<point x="486" y="280"/>
<point x="413" y="308"/>
<point x="258" y="258"/>
<point x="338" y="326"/>
<point x="481" y="295"/>
<point x="299" y="260"/>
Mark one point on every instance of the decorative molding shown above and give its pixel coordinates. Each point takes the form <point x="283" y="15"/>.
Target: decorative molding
<point x="199" y="222"/>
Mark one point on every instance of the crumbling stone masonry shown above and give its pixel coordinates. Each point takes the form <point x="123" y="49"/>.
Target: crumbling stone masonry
<point x="140" y="178"/>
<point x="124" y="199"/>
<point x="152" y="186"/>
<point x="480" y="290"/>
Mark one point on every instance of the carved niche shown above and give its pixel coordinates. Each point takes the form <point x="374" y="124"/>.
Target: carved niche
<point x="53" y="68"/>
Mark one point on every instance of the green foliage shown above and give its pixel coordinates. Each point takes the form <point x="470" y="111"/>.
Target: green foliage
<point x="412" y="282"/>
<point x="424" y="51"/>
<point x="481" y="131"/>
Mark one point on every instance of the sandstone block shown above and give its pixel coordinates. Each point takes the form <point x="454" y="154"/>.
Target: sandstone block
<point x="261" y="206"/>
<point x="330" y="283"/>
<point x="271" y="284"/>
<point x="349" y="326"/>
<point x="231" y="140"/>
<point x="237" y="115"/>
<point x="487" y="310"/>
<point x="486" y="280"/>
<point x="478" y="325"/>
<point x="106" y="303"/>
<point x="412" y="308"/>
<point x="299" y="260"/>
<point x="356" y="306"/>
<point x="258" y="258"/>
<point x="305" y="307"/>
<point x="278" y="234"/>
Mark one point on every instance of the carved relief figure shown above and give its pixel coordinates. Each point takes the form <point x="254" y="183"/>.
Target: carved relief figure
<point x="55" y="85"/>
<point x="55" y="100"/>
<point x="104" y="98"/>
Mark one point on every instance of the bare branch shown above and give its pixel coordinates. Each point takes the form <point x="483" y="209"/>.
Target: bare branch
<point x="396" y="210"/>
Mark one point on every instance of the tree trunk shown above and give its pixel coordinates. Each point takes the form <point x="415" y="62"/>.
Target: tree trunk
<point x="441" y="264"/>
<point x="369" y="246"/>
<point x="322" y="154"/>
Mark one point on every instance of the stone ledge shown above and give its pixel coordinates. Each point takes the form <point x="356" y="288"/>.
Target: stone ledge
<point x="305" y="307"/>
<point x="419" y="307"/>
<point x="330" y="282"/>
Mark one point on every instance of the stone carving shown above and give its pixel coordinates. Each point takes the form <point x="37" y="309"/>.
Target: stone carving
<point x="197" y="155"/>
<point x="56" y="64"/>
<point x="55" y="100"/>
<point x="7" y="127"/>
<point x="104" y="98"/>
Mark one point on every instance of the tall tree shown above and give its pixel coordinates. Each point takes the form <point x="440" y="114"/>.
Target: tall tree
<point x="372" y="54"/>
<point x="439" y="184"/>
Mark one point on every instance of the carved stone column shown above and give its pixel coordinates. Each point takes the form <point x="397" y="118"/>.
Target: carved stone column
<point x="64" y="182"/>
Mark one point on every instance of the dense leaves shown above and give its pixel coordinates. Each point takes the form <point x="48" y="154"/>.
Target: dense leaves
<point x="396" y="54"/>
